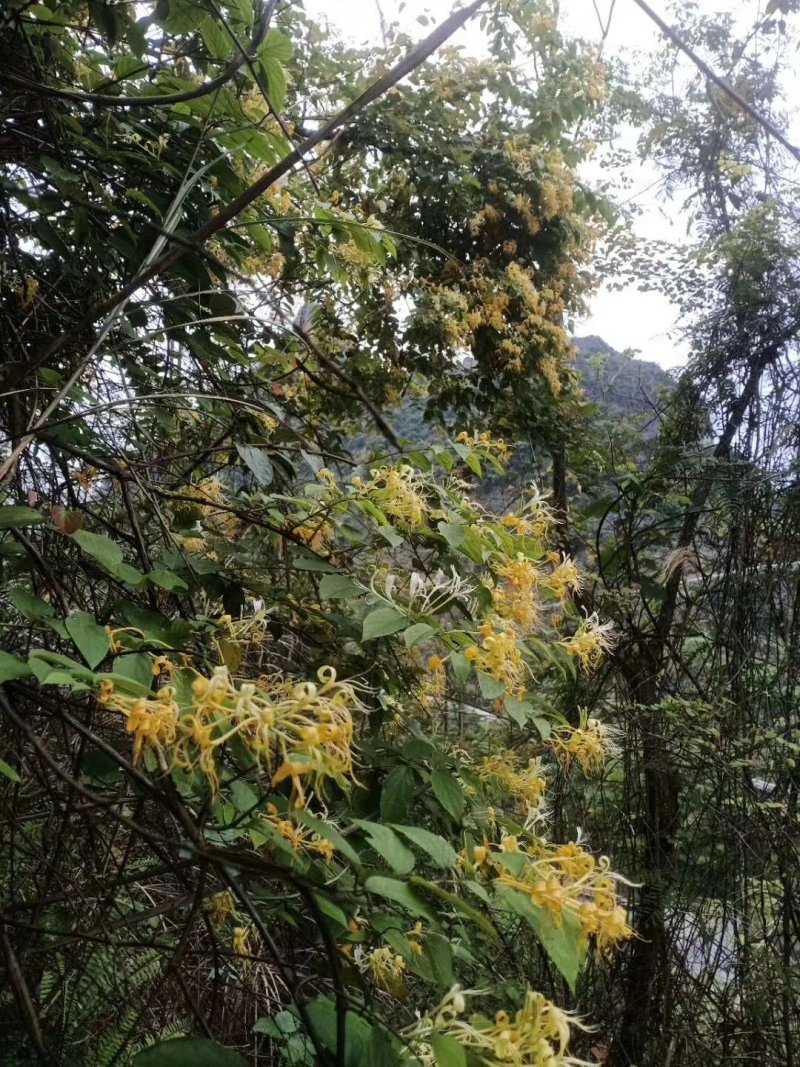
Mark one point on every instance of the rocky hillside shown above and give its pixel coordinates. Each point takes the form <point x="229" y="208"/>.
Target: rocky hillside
<point x="617" y="385"/>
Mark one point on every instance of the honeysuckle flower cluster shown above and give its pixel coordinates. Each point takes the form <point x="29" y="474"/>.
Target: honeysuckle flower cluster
<point x="422" y="594"/>
<point x="248" y="630"/>
<point x="590" y="744"/>
<point x="485" y="442"/>
<point x="590" y="641"/>
<point x="535" y="519"/>
<point x="499" y="655"/>
<point x="400" y="492"/>
<point x="526" y="785"/>
<point x="301" y="732"/>
<point x="212" y="506"/>
<point x="567" y="878"/>
<point x="316" y="534"/>
<point x="152" y="721"/>
<point x="385" y="967"/>
<point x="300" y="838"/>
<point x="537" y="1035"/>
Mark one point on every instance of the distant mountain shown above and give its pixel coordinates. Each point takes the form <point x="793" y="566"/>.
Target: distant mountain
<point x="621" y="388"/>
<point x="616" y="383"/>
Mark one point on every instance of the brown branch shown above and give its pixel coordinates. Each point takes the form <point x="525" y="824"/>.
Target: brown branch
<point x="351" y="383"/>
<point x="720" y="83"/>
<point x="22" y="994"/>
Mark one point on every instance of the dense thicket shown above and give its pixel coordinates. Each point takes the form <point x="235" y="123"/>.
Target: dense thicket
<point x="313" y="747"/>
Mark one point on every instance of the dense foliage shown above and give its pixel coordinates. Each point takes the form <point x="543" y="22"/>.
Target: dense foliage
<point x="301" y="717"/>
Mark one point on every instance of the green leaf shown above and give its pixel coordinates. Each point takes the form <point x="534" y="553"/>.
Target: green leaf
<point x="388" y="845"/>
<point x="258" y="462"/>
<point x="460" y="667"/>
<point x="277" y="45"/>
<point x="381" y="623"/>
<point x="109" y="554"/>
<point x="46" y="674"/>
<point x="271" y="69"/>
<point x="519" y="710"/>
<point x="340" y="843"/>
<point x="440" y="955"/>
<point x="440" y="851"/>
<point x="396" y="793"/>
<point x="243" y="796"/>
<point x="32" y="607"/>
<point x="392" y="889"/>
<point x="281" y="1024"/>
<point x="102" y="548"/>
<point x="337" y="587"/>
<point x="447" y="1051"/>
<point x="14" y="515"/>
<point x="90" y="638"/>
<point x="462" y="539"/>
<point x="11" y="667"/>
<point x="8" y="772"/>
<point x="187" y="1052"/>
<point x="564" y="943"/>
<point x="544" y="726"/>
<point x="166" y="579"/>
<point x="473" y="914"/>
<point x="358" y="1032"/>
<point x="333" y="911"/>
<point x="490" y="688"/>
<point x="420" y="631"/>
<point x="452" y="533"/>
<point x="215" y="38"/>
<point x="449" y="793"/>
<point x="136" y="668"/>
<point x="381" y="1051"/>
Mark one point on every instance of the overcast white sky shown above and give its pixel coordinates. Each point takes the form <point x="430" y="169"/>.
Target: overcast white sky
<point x="626" y="319"/>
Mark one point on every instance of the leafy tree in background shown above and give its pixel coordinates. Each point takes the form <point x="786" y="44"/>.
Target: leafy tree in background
<point x="277" y="730"/>
<point x="695" y="568"/>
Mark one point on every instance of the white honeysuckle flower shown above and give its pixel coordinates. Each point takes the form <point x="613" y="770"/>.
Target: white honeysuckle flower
<point x="424" y="594"/>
